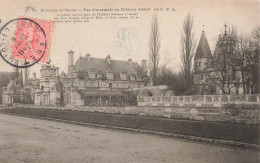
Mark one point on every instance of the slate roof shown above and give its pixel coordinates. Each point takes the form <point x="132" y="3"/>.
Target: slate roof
<point x="11" y="85"/>
<point x="63" y="74"/>
<point x="33" y="82"/>
<point x="145" y="93"/>
<point x="102" y="65"/>
<point x="203" y="50"/>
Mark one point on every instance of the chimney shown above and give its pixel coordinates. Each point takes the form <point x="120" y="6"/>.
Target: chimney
<point x="130" y="61"/>
<point x="108" y="59"/>
<point x="34" y="76"/>
<point x="71" y="56"/>
<point x="144" y="65"/>
<point x="88" y="56"/>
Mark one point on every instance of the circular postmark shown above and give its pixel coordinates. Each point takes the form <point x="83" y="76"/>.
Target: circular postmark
<point x="22" y="41"/>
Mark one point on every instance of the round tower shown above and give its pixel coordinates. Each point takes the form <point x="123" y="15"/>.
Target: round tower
<point x="202" y="61"/>
<point x="203" y="56"/>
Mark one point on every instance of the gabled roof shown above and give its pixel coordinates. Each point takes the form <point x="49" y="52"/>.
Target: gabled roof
<point x="145" y="92"/>
<point x="63" y="74"/>
<point x="102" y="65"/>
<point x="203" y="50"/>
<point x="11" y="85"/>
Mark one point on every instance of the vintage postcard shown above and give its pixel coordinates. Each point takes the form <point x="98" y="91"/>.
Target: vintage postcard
<point x="129" y="81"/>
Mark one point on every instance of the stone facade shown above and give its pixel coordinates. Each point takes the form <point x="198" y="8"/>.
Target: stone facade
<point x="90" y="81"/>
<point x="49" y="91"/>
<point x="20" y="90"/>
<point x="200" y="100"/>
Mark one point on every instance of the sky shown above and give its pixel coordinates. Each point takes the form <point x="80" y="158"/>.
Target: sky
<point x="102" y="37"/>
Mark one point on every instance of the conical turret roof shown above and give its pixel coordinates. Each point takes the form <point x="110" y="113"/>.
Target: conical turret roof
<point x="203" y="50"/>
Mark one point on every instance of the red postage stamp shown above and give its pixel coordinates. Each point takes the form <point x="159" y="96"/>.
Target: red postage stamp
<point x="32" y="40"/>
<point x="29" y="41"/>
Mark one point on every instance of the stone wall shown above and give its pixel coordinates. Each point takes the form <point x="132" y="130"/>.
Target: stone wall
<point x="200" y="100"/>
<point x="226" y="114"/>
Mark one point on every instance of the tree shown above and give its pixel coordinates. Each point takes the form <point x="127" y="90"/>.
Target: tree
<point x="154" y="47"/>
<point x="256" y="34"/>
<point x="224" y="67"/>
<point x="166" y="77"/>
<point x="244" y="57"/>
<point x="142" y="75"/>
<point x="180" y="85"/>
<point x="256" y="59"/>
<point x="188" y="43"/>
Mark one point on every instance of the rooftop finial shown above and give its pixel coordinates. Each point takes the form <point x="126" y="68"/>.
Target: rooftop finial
<point x="225" y="29"/>
<point x="71" y="52"/>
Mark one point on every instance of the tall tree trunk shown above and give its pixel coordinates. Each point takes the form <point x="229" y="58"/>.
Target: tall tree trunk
<point x="154" y="47"/>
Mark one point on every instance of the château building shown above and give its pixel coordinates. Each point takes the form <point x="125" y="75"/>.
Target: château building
<point x="21" y="89"/>
<point x="90" y="81"/>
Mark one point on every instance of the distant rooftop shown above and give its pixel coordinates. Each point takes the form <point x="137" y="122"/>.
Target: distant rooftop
<point x="103" y="65"/>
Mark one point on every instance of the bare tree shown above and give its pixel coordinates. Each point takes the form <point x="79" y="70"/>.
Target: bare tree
<point x="256" y="59"/>
<point x="187" y="48"/>
<point x="142" y="75"/>
<point x="242" y="49"/>
<point x="247" y="60"/>
<point x="165" y="74"/>
<point x="209" y="82"/>
<point x="225" y="71"/>
<point x="256" y="33"/>
<point x="188" y="44"/>
<point x="236" y="62"/>
<point x="154" y="47"/>
<point x="224" y="68"/>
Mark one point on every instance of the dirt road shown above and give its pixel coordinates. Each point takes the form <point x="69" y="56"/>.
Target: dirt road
<point x="25" y="139"/>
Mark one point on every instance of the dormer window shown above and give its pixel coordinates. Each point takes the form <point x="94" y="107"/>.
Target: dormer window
<point x="92" y="74"/>
<point x="123" y="75"/>
<point x="110" y="75"/>
<point x="132" y="77"/>
<point x="99" y="75"/>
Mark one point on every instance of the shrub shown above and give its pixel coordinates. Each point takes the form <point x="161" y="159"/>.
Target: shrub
<point x="233" y="109"/>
